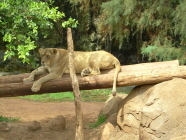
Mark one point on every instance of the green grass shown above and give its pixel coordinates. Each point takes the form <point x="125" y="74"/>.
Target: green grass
<point x="5" y="119"/>
<point x="101" y="119"/>
<point x="97" y="95"/>
<point x="50" y="97"/>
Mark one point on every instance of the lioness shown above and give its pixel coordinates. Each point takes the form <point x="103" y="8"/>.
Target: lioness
<point x="55" y="62"/>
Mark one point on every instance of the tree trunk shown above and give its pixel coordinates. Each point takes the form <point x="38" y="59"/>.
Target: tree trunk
<point x="75" y="85"/>
<point x="126" y="78"/>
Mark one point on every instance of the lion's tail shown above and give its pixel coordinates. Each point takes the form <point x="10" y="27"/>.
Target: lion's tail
<point x="117" y="70"/>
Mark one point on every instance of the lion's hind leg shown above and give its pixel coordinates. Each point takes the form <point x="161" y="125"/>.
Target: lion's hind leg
<point x="86" y="72"/>
<point x="95" y="71"/>
<point x="93" y="68"/>
<point x="89" y="71"/>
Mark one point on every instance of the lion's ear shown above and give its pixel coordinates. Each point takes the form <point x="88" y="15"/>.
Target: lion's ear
<point x="40" y="50"/>
<point x="53" y="51"/>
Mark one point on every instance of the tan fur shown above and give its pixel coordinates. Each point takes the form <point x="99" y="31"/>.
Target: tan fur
<point x="55" y="62"/>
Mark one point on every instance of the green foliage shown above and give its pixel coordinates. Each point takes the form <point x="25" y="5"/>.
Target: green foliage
<point x="179" y="20"/>
<point x="71" y="23"/>
<point x="120" y="17"/>
<point x="21" y="21"/>
<point x="101" y="119"/>
<point x="164" y="53"/>
<point x="5" y="119"/>
<point x="97" y="95"/>
<point x="162" y="22"/>
<point x="49" y="97"/>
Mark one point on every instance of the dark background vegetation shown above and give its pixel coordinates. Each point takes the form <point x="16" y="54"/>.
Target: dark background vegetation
<point x="135" y="31"/>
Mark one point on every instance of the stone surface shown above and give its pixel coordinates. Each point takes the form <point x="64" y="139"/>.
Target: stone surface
<point x="164" y="113"/>
<point x="112" y="119"/>
<point x="58" y="123"/>
<point x="122" y="136"/>
<point x="111" y="106"/>
<point x="117" y="95"/>
<point x="156" y="112"/>
<point x="34" y="125"/>
<point x="106" y="131"/>
<point x="129" y="114"/>
<point x="179" y="138"/>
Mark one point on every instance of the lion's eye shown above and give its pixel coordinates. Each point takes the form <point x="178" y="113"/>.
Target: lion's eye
<point x="48" y="56"/>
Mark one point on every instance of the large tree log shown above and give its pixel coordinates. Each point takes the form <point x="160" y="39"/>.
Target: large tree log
<point x="128" y="68"/>
<point x="148" y="76"/>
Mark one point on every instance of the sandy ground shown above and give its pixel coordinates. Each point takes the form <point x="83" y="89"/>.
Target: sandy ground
<point x="43" y="112"/>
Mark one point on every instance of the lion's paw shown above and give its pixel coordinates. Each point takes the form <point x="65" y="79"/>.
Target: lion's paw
<point x="26" y="80"/>
<point x="35" y="87"/>
<point x="85" y="72"/>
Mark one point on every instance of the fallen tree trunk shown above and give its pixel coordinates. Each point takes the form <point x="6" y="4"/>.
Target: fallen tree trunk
<point x="127" y="68"/>
<point x="151" y="76"/>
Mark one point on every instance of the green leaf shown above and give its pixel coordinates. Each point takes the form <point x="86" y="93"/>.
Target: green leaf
<point x="71" y="23"/>
<point x="22" y="21"/>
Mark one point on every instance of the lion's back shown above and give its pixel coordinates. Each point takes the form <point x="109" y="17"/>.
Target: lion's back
<point x="102" y="59"/>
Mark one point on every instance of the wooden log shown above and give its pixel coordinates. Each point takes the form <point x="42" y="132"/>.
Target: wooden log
<point x="132" y="78"/>
<point x="127" y="68"/>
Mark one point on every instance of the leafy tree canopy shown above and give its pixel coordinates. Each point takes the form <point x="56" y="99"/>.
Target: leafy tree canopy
<point x="21" y="22"/>
<point x="160" y="23"/>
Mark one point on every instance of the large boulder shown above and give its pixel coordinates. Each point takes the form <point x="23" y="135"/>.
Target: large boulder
<point x="164" y="114"/>
<point x="112" y="119"/>
<point x="155" y="112"/>
<point x="129" y="114"/>
<point x="180" y="138"/>
<point x="111" y="105"/>
<point x="106" y="131"/>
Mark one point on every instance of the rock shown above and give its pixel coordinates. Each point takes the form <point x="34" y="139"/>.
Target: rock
<point x="57" y="123"/>
<point x="29" y="136"/>
<point x="34" y="125"/>
<point x="111" y="106"/>
<point x="119" y="95"/>
<point x="163" y="115"/>
<point x="112" y="119"/>
<point x="123" y="136"/>
<point x="4" y="127"/>
<point x="179" y="138"/>
<point x="155" y="112"/>
<point x="106" y="131"/>
<point x="129" y="114"/>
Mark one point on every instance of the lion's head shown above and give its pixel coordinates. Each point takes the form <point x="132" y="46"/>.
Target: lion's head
<point x="47" y="56"/>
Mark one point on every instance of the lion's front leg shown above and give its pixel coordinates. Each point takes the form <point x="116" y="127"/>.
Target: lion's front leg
<point x="29" y="79"/>
<point x="37" y="85"/>
<point x="38" y="71"/>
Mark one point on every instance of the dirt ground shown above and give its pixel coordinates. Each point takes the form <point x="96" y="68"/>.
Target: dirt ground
<point x="43" y="112"/>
